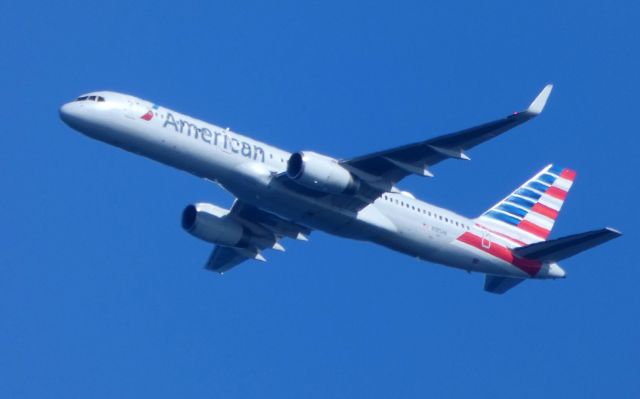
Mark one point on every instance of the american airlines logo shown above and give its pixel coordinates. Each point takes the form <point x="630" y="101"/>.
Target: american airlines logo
<point x="218" y="138"/>
<point x="149" y="115"/>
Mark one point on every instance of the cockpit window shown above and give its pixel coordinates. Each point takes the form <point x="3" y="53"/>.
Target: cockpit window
<point x="90" y="98"/>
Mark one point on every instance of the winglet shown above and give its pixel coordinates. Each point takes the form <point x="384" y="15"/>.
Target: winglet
<point x="538" y="104"/>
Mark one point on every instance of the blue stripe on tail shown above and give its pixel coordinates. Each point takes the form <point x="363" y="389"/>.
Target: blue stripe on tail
<point x="556" y="170"/>
<point x="547" y="178"/>
<point x="537" y="186"/>
<point x="503" y="217"/>
<point x="514" y="210"/>
<point x="529" y="194"/>
<point x="521" y="201"/>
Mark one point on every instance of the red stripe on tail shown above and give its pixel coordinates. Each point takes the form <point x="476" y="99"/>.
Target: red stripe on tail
<point x="534" y="229"/>
<point x="545" y="210"/>
<point x="557" y="193"/>
<point x="568" y="174"/>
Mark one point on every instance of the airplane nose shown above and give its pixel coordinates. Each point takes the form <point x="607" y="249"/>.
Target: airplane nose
<point x="71" y="113"/>
<point x="66" y="112"/>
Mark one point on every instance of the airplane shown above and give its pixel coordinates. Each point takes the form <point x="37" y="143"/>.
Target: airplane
<point x="280" y="195"/>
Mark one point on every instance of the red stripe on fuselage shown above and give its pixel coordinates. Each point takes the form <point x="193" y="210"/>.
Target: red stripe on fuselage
<point x="545" y="210"/>
<point x="534" y="229"/>
<point x="531" y="267"/>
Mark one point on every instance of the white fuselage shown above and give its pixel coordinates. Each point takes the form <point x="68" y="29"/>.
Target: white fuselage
<point x="246" y="167"/>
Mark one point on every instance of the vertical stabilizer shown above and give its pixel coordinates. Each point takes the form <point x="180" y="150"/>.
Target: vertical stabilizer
<point x="528" y="214"/>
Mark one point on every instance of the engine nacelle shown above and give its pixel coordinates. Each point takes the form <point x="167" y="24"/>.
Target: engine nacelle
<point x="211" y="223"/>
<point x="321" y="173"/>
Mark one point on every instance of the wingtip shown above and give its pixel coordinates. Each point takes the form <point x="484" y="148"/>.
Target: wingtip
<point x="616" y="232"/>
<point x="540" y="101"/>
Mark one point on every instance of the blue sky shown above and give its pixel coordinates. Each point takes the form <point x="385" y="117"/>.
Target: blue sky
<point x="103" y="295"/>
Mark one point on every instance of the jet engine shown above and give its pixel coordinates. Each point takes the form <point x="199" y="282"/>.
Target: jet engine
<point x="211" y="223"/>
<point x="322" y="173"/>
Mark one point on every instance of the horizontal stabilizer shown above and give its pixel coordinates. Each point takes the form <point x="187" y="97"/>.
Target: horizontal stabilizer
<point x="565" y="247"/>
<point x="500" y="285"/>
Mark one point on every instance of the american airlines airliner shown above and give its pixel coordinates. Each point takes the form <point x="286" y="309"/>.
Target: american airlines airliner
<point x="287" y="195"/>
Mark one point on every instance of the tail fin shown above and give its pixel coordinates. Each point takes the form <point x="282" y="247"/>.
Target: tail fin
<point x="528" y="214"/>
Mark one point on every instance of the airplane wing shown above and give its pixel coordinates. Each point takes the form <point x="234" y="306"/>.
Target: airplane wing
<point x="394" y="164"/>
<point x="266" y="229"/>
